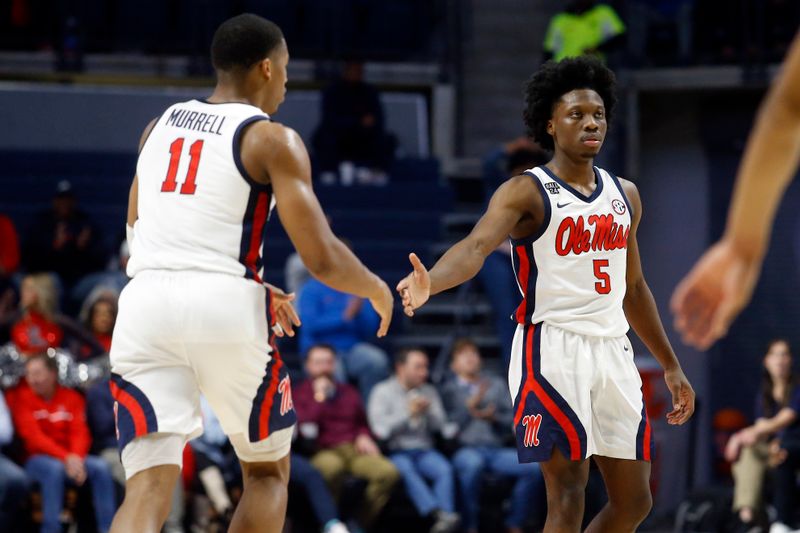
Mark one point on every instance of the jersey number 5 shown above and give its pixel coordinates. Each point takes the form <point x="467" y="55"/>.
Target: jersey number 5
<point x="175" y="150"/>
<point x="603" y="286"/>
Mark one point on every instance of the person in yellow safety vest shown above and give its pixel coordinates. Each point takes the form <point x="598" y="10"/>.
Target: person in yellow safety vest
<point x="583" y="27"/>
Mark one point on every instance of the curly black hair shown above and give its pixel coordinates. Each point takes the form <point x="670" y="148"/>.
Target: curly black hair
<point x="555" y="79"/>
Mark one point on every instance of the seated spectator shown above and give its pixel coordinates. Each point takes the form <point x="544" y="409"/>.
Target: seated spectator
<point x="312" y="483"/>
<point x="497" y="275"/>
<point x="295" y="273"/>
<point x="212" y="454"/>
<point x="36" y="330"/>
<point x="13" y="481"/>
<point x="479" y="405"/>
<point x="583" y="27"/>
<point x="343" y="438"/>
<point x="51" y="422"/>
<point x="344" y="322"/>
<point x="98" y="316"/>
<point x="9" y="251"/>
<point x="351" y="136"/>
<point x="63" y="240"/>
<point x="772" y="441"/>
<point x="113" y="279"/>
<point x="40" y="326"/>
<point x="102" y="427"/>
<point x="406" y="413"/>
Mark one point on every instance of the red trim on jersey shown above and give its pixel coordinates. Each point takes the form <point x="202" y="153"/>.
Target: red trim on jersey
<point x="133" y="407"/>
<point x="259" y="220"/>
<point x="522" y="277"/>
<point x="646" y="446"/>
<point x="531" y="385"/>
<point x="269" y="397"/>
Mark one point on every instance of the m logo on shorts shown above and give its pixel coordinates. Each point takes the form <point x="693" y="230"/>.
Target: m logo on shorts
<point x="532" y="424"/>
<point x="285" y="390"/>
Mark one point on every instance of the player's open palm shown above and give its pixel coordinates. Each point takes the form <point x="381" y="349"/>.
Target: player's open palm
<point x="682" y="396"/>
<point x="383" y="303"/>
<point x="415" y="289"/>
<point x="713" y="293"/>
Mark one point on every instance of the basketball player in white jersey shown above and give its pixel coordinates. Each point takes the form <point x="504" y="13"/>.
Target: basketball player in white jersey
<point x="572" y="226"/>
<point x="197" y="317"/>
<point x="721" y="284"/>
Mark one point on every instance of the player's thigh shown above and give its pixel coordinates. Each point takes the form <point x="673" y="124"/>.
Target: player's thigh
<point x="627" y="481"/>
<point x="562" y="475"/>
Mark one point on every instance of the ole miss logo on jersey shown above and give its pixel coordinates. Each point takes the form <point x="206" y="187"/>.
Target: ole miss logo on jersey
<point x="531" y="423"/>
<point x="596" y="232"/>
<point x="285" y="390"/>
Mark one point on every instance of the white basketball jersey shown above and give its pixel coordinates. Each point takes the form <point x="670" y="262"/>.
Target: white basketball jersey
<point x="572" y="271"/>
<point x="198" y="208"/>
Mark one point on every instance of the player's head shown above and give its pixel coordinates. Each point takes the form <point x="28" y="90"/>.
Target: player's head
<point x="465" y="359"/>
<point x="411" y="366"/>
<point x="321" y="361"/>
<point x="569" y="105"/>
<point x="250" y="51"/>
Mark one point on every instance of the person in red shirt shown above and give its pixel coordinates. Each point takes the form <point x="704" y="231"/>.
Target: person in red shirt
<point x="99" y="317"/>
<point x="36" y="330"/>
<point x="335" y="412"/>
<point x="51" y="423"/>
<point x="9" y="248"/>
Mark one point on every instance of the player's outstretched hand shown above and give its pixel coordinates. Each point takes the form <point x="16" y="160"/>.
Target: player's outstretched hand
<point x="415" y="289"/>
<point x="383" y="304"/>
<point x="710" y="297"/>
<point x="286" y="317"/>
<point x="682" y="396"/>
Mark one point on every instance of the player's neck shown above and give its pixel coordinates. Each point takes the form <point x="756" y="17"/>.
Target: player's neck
<point x="224" y="94"/>
<point x="578" y="171"/>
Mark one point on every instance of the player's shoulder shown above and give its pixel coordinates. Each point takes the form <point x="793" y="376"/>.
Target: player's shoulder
<point x="274" y="138"/>
<point x="628" y="187"/>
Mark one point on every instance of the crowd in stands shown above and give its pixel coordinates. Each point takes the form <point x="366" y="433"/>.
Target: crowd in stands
<point x="371" y="431"/>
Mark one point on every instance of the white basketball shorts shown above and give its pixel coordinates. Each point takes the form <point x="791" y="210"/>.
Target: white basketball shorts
<point x="579" y="393"/>
<point x="180" y="334"/>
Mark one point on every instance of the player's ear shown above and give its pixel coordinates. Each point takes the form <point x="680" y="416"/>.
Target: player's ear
<point x="265" y="67"/>
<point x="550" y="127"/>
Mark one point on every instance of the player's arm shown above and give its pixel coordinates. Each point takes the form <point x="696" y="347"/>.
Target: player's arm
<point x="284" y="160"/>
<point x="642" y="314"/>
<point x="133" y="194"/>
<point x="516" y="200"/>
<point x="722" y="282"/>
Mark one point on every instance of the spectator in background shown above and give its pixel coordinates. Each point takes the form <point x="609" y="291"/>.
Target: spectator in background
<point x="213" y="461"/>
<point x="9" y="250"/>
<point x="351" y="136"/>
<point x="479" y="405"/>
<point x="102" y="427"/>
<point x="343" y="439"/>
<point x="295" y="273"/>
<point x="311" y="482"/>
<point x="344" y="322"/>
<point x="9" y="262"/>
<point x="406" y="413"/>
<point x="497" y="275"/>
<point x="51" y="422"/>
<point x="584" y="27"/>
<point x="63" y="240"/>
<point x="40" y="326"/>
<point x="114" y="278"/>
<point x="37" y="329"/>
<point x="773" y="440"/>
<point x="13" y="481"/>
<point x="98" y="315"/>
<point x="646" y="16"/>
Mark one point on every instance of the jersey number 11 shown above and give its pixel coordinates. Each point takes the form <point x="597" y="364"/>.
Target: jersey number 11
<point x="175" y="149"/>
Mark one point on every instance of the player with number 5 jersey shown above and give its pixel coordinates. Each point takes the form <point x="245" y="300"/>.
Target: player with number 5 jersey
<point x="198" y="316"/>
<point x="572" y="229"/>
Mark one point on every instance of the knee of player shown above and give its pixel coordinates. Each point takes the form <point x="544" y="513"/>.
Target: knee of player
<point x="635" y="507"/>
<point x="566" y="498"/>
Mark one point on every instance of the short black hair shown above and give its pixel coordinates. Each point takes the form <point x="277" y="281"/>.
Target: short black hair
<point x="242" y="41"/>
<point x="555" y="79"/>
